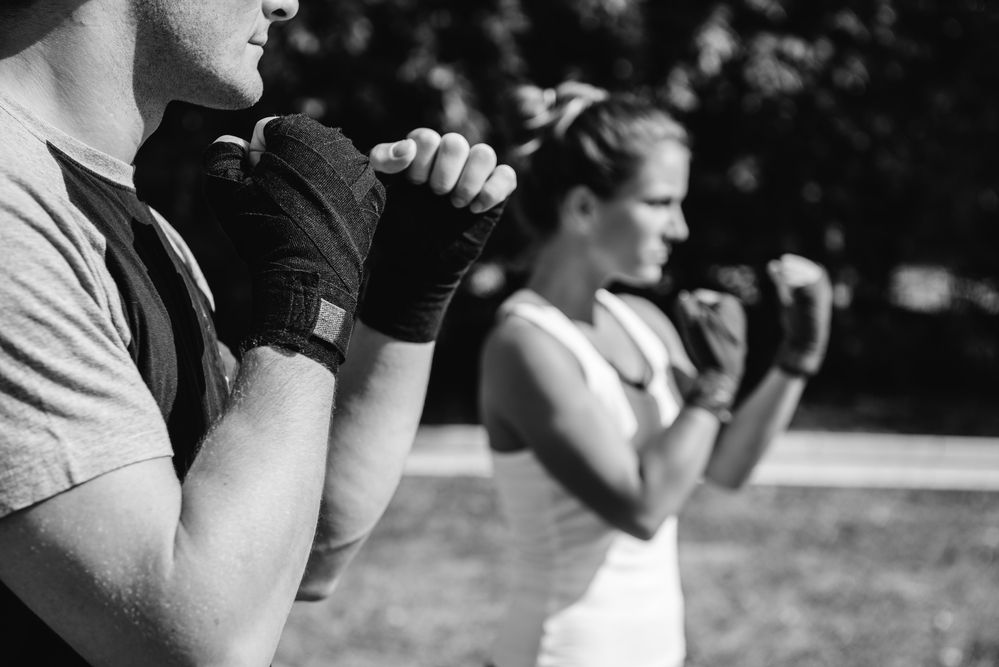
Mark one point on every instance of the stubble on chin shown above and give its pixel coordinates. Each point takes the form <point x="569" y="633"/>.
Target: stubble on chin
<point x="236" y="86"/>
<point x="232" y="97"/>
<point x="207" y="83"/>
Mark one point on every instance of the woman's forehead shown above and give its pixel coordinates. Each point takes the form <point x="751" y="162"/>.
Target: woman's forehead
<point x="664" y="165"/>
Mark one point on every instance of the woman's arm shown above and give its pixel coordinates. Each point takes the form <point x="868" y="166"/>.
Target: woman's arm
<point x="763" y="416"/>
<point x="533" y="392"/>
<point x="806" y="299"/>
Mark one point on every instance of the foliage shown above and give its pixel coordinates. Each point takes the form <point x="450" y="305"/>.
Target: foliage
<point x="852" y="131"/>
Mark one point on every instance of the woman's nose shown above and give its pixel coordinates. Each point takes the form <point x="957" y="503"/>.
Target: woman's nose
<point x="676" y="226"/>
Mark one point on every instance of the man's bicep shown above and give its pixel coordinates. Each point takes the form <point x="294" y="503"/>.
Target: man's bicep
<point x="88" y="561"/>
<point x="73" y="403"/>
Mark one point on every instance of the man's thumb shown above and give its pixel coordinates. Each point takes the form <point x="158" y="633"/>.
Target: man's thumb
<point x="393" y="157"/>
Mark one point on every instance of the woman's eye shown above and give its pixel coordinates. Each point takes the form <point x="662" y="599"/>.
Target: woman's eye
<point x="660" y="202"/>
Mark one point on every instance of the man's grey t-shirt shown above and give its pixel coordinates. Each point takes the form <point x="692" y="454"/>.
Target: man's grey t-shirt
<point x="108" y="355"/>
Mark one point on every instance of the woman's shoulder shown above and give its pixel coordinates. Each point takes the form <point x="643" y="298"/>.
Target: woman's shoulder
<point x="522" y="298"/>
<point x="526" y="341"/>
<point x="516" y="333"/>
<point x="526" y="318"/>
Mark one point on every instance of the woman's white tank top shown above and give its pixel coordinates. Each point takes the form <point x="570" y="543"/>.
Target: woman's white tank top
<point x="583" y="593"/>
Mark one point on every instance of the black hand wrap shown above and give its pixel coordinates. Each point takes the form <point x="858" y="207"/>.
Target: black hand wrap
<point x="712" y="326"/>
<point x="805" y="321"/>
<point x="302" y="219"/>
<point x="423" y="248"/>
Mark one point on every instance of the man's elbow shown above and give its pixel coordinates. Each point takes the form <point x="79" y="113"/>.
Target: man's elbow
<point x="316" y="588"/>
<point x="239" y="652"/>
<point x="321" y="577"/>
<point x="234" y="648"/>
<point x="327" y="563"/>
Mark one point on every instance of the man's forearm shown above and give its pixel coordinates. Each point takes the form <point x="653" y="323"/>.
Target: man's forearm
<point x="443" y="202"/>
<point x="200" y="572"/>
<point x="250" y="501"/>
<point x="381" y="390"/>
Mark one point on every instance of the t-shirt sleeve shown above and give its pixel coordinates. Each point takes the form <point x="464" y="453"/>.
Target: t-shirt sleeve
<point x="72" y="403"/>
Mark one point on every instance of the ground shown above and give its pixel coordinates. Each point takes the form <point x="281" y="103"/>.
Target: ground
<point x="774" y="576"/>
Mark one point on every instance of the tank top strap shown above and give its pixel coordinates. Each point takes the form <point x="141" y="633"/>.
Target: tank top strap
<point x="599" y="375"/>
<point x="651" y="347"/>
<point x="648" y="342"/>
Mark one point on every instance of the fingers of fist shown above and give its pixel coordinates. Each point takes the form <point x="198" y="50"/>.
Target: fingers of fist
<point x="793" y="272"/>
<point x="468" y="174"/>
<point x="258" y="144"/>
<point x="724" y="310"/>
<point x="712" y="326"/>
<point x="252" y="149"/>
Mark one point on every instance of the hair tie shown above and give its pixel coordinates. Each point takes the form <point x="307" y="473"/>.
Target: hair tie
<point x="570" y="113"/>
<point x="584" y="96"/>
<point x="547" y="112"/>
<point x="542" y="113"/>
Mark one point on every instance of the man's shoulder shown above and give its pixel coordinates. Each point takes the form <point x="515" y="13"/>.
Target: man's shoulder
<point x="24" y="156"/>
<point x="34" y="206"/>
<point x="39" y="157"/>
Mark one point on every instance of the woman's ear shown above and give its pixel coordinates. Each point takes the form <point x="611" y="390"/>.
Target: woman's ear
<point x="579" y="209"/>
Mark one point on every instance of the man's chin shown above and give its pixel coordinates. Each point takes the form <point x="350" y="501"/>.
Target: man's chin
<point x="234" y="96"/>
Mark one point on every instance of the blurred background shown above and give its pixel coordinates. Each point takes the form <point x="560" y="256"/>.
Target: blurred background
<point x="861" y="134"/>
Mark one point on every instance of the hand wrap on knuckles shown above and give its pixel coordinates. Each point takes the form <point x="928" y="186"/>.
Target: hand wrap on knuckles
<point x="422" y="250"/>
<point x="302" y="219"/>
<point x="712" y="326"/>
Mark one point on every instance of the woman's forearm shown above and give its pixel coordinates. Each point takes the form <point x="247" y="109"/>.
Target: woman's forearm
<point x="757" y="422"/>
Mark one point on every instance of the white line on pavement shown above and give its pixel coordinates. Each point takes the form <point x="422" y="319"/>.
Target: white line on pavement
<point x="799" y="458"/>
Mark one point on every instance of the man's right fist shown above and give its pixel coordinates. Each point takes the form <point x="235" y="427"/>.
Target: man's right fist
<point x="712" y="326"/>
<point x="444" y="199"/>
<point x="301" y="210"/>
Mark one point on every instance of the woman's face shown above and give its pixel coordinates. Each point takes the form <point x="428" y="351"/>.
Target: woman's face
<point x="638" y="225"/>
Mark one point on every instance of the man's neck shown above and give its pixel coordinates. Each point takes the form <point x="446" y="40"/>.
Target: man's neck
<point x="72" y="78"/>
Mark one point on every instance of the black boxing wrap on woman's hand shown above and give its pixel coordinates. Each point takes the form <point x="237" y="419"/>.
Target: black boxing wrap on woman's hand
<point x="712" y="327"/>
<point x="422" y="250"/>
<point x="805" y="321"/>
<point x="302" y="219"/>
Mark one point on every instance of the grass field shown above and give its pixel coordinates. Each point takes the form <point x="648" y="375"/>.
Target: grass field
<point x="773" y="577"/>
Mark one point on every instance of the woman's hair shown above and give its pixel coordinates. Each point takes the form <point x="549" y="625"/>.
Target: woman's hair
<point x="577" y="134"/>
